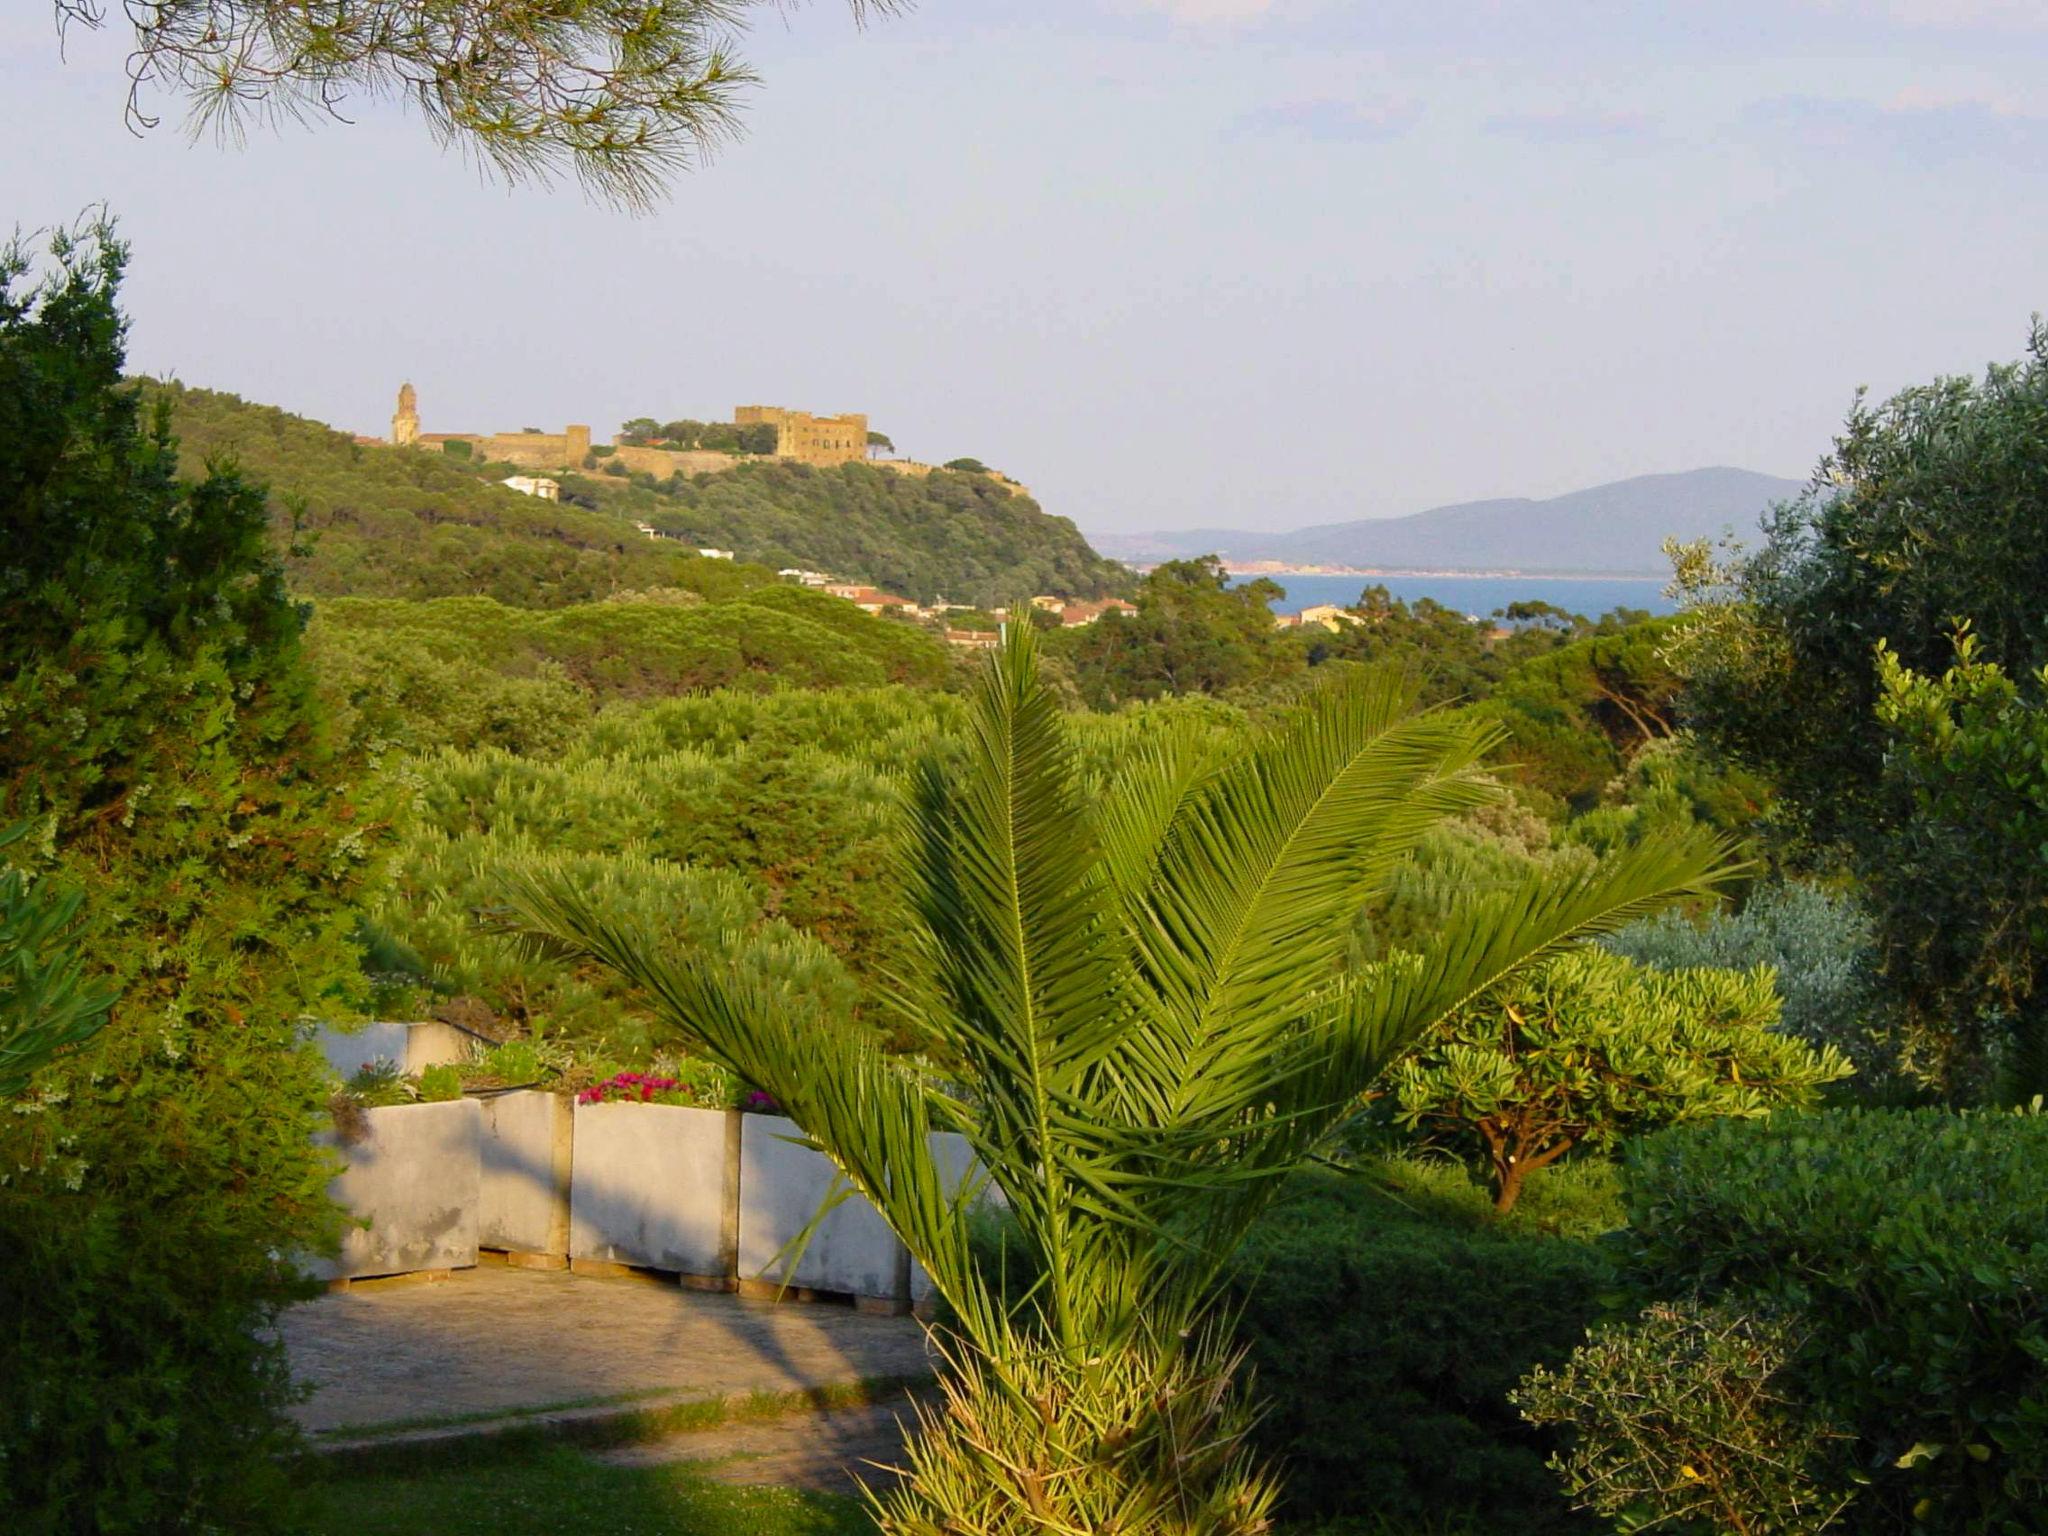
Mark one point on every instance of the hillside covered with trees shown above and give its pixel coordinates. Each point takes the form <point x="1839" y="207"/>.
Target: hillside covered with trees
<point x="952" y="534"/>
<point x="374" y="523"/>
<point x="367" y="522"/>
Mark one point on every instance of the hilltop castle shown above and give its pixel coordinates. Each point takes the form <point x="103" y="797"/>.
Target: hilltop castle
<point x="800" y="437"/>
<point x="528" y="450"/>
<point x="809" y="439"/>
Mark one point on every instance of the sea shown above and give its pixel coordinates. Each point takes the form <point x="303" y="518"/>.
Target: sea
<point x="1478" y="596"/>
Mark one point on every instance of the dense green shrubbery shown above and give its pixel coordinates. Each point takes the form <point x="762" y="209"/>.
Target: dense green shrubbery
<point x="1906" y="1253"/>
<point x="963" y="537"/>
<point x="791" y="795"/>
<point x="1389" y="1314"/>
<point x="158" y="724"/>
<point x="1818" y="944"/>
<point x="776" y="637"/>
<point x="1588" y="1048"/>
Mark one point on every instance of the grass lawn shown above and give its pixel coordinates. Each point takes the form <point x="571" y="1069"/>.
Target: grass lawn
<point x="551" y="1489"/>
<point x="548" y="1489"/>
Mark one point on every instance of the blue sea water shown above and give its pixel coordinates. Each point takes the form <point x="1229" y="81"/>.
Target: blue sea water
<point x="1479" y="595"/>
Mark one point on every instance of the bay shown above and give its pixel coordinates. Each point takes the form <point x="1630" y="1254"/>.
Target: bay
<point x="1478" y="596"/>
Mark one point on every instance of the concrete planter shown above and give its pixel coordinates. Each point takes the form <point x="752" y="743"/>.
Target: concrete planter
<point x="523" y="1208"/>
<point x="955" y="1160"/>
<point x="414" y="1178"/>
<point x="781" y="1187"/>
<point x="409" y="1047"/>
<point x="655" y="1186"/>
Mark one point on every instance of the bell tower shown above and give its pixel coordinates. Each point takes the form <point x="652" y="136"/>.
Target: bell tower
<point x="405" y="425"/>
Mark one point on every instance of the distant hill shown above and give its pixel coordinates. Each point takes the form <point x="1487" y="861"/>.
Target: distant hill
<point x="381" y="522"/>
<point x="965" y="537"/>
<point x="477" y="614"/>
<point x="1615" y="529"/>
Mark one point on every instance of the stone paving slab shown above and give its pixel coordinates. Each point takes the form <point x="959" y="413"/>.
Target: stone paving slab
<point x="493" y="1342"/>
<point x="831" y="1452"/>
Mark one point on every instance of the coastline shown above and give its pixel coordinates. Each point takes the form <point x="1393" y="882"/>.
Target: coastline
<point x="1490" y="573"/>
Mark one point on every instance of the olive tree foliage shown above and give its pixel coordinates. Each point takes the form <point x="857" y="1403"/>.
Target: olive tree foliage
<point x="1684" y="1422"/>
<point x="1141" y="1022"/>
<point x="622" y="94"/>
<point x="1930" y="514"/>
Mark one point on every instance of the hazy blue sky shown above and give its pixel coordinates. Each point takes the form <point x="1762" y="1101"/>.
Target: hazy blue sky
<point x="1188" y="262"/>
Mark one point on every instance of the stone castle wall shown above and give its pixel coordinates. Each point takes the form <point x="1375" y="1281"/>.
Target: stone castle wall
<point x="663" y="462"/>
<point x="536" y="450"/>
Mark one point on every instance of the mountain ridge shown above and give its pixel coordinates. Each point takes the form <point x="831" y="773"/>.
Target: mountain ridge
<point x="1613" y="529"/>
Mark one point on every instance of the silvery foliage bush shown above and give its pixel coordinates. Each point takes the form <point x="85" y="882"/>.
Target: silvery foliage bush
<point x="1819" y="942"/>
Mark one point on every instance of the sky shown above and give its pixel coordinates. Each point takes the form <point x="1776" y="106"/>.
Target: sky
<point x="1172" y="263"/>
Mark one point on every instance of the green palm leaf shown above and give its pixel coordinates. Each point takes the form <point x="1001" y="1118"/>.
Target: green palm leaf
<point x="1145" y="1023"/>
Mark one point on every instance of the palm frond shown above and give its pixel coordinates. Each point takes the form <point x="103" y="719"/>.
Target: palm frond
<point x="871" y="1114"/>
<point x="1265" y="863"/>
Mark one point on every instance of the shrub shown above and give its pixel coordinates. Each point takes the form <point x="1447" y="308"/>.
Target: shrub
<point x="162" y="730"/>
<point x="1818" y="943"/>
<point x="1389" y="1315"/>
<point x="1591" y="1047"/>
<point x="440" y="1084"/>
<point x="1683" y="1424"/>
<point x="1909" y="1249"/>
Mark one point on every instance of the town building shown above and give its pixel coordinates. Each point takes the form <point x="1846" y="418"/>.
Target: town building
<point x="869" y="600"/>
<point x="530" y="485"/>
<point x="1073" y="615"/>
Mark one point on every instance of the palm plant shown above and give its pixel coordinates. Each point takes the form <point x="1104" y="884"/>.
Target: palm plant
<point x="1141" y="1023"/>
<point x="46" y="1005"/>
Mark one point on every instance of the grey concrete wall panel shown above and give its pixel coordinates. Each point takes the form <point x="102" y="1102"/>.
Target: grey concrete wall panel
<point x="781" y="1187"/>
<point x="348" y="1051"/>
<point x="414" y="1179"/>
<point x="648" y="1187"/>
<point x="955" y="1162"/>
<point x="527" y="1161"/>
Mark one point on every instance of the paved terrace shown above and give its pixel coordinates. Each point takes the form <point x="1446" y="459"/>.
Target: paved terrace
<point x="495" y="1343"/>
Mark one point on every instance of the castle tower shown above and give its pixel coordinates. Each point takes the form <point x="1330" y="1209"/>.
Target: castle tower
<point x="405" y="426"/>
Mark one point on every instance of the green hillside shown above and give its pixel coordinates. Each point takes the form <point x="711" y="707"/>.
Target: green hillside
<point x="963" y="537"/>
<point x="376" y="523"/>
<point x="450" y="610"/>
